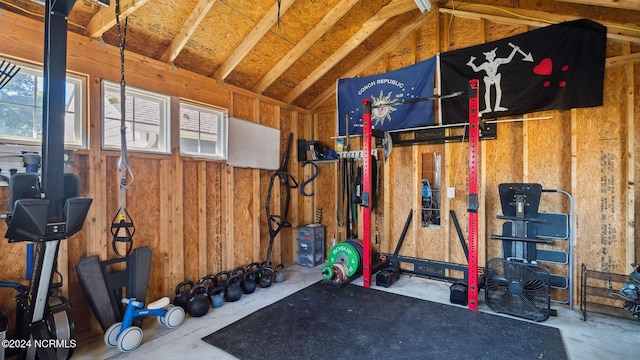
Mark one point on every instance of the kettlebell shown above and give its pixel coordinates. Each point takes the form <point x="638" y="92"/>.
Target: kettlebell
<point x="239" y="271"/>
<point x="266" y="276"/>
<point x="248" y="283"/>
<point x="199" y="303"/>
<point x="210" y="284"/>
<point x="221" y="278"/>
<point x="254" y="266"/>
<point x="234" y="292"/>
<point x="279" y="270"/>
<point x="217" y="296"/>
<point x="182" y="295"/>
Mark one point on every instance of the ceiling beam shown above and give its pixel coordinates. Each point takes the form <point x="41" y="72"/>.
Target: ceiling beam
<point x="332" y="17"/>
<point x="388" y="45"/>
<point x="105" y="18"/>
<point x="622" y="60"/>
<point x="540" y="19"/>
<point x="188" y="28"/>
<point x="368" y="28"/>
<point x="616" y="4"/>
<point x="258" y="32"/>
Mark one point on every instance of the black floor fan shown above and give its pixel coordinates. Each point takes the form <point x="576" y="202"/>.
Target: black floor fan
<point x="518" y="289"/>
<point x="516" y="284"/>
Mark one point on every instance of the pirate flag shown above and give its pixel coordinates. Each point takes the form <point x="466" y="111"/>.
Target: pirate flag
<point x="556" y="67"/>
<point x="391" y="95"/>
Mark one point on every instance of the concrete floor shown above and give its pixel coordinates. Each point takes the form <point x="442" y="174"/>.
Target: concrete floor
<point x="601" y="337"/>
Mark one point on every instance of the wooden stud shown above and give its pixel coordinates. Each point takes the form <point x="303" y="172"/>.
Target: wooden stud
<point x="203" y="218"/>
<point x="630" y="161"/>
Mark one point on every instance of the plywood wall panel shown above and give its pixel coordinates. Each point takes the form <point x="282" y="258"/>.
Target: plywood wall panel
<point x="426" y="41"/>
<point x="504" y="159"/>
<point x="215" y="214"/>
<point x="402" y="193"/>
<point x="191" y="223"/>
<point x="636" y="111"/>
<point x="403" y="55"/>
<point x="601" y="200"/>
<point x="243" y="214"/>
<point x="325" y="184"/>
<point x="269" y="116"/>
<point x="288" y="124"/>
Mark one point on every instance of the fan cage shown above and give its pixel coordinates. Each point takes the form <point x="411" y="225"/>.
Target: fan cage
<point x="518" y="288"/>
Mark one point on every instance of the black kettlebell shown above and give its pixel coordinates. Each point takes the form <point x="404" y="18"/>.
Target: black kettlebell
<point x="234" y="291"/>
<point x="199" y="303"/>
<point x="182" y="295"/>
<point x="221" y="278"/>
<point x="248" y="283"/>
<point x="254" y="266"/>
<point x="210" y="284"/>
<point x="266" y="276"/>
<point x="239" y="271"/>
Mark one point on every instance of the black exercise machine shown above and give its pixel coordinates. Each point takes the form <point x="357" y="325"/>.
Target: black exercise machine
<point x="518" y="283"/>
<point x="46" y="209"/>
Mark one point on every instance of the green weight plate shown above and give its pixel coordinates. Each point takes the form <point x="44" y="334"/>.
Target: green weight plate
<point x="346" y="254"/>
<point x="327" y="272"/>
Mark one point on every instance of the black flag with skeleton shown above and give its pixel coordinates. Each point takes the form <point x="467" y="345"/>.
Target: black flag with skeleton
<point x="556" y="67"/>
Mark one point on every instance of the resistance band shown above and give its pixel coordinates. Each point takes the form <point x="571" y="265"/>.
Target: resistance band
<point x="309" y="180"/>
<point x="287" y="182"/>
<point x="122" y="227"/>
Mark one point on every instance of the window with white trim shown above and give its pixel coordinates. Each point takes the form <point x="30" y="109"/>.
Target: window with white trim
<point x="203" y="131"/>
<point x="21" y="109"/>
<point x="146" y="119"/>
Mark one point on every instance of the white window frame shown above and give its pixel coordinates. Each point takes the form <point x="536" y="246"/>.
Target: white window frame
<point x="111" y="133"/>
<point x="76" y="136"/>
<point x="222" y="117"/>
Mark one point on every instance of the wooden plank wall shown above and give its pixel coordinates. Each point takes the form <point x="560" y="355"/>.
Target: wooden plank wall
<point x="590" y="153"/>
<point x="197" y="216"/>
<point x="587" y="152"/>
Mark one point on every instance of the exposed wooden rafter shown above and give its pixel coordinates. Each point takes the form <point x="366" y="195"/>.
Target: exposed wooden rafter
<point x="533" y="18"/>
<point x="622" y="60"/>
<point x="105" y="18"/>
<point x="375" y="55"/>
<point x="616" y="4"/>
<point x="252" y="39"/>
<point x="305" y="43"/>
<point x="187" y="30"/>
<point x="394" y="8"/>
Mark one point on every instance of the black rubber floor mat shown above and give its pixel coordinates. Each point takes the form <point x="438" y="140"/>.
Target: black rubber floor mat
<point x="352" y="322"/>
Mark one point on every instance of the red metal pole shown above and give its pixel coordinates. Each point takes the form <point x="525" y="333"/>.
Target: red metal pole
<point x="366" y="193"/>
<point x="472" y="296"/>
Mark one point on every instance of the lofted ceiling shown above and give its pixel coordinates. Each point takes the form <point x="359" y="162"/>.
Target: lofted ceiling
<point x="294" y="50"/>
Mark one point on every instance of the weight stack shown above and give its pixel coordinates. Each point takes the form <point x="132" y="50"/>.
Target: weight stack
<point x="311" y="245"/>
